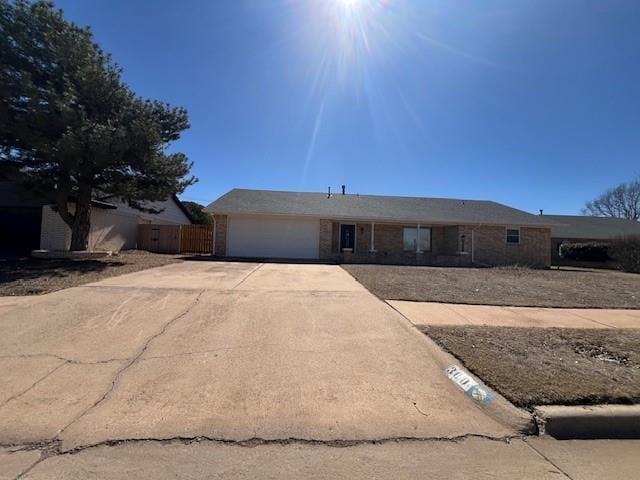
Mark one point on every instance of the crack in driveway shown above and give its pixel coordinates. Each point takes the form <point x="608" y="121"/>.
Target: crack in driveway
<point x="33" y="385"/>
<point x="132" y="361"/>
<point x="248" y="275"/>
<point x="66" y="360"/>
<point x="54" y="446"/>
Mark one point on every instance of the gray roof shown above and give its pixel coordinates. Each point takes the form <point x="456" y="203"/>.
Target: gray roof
<point x="596" y="228"/>
<point x="372" y="208"/>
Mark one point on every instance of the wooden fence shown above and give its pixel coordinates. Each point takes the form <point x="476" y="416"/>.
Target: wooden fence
<point x="175" y="238"/>
<point x="196" y="239"/>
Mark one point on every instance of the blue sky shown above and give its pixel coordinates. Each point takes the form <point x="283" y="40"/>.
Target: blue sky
<point x="535" y="104"/>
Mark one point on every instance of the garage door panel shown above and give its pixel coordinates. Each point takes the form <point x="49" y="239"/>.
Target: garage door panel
<point x="274" y="237"/>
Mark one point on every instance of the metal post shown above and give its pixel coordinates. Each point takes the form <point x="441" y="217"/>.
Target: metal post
<point x="473" y="245"/>
<point x="373" y="247"/>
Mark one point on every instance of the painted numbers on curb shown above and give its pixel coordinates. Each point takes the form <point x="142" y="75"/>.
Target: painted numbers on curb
<point x="475" y="390"/>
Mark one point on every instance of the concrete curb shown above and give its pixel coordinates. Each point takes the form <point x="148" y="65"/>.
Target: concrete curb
<point x="589" y="422"/>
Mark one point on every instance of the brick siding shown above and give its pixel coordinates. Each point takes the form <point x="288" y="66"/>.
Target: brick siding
<point x="490" y="246"/>
<point x="326" y="241"/>
<point x="389" y="247"/>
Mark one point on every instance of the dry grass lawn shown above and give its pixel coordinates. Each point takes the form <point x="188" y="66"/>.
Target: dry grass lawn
<point x="538" y="366"/>
<point x="512" y="286"/>
<point x="31" y="276"/>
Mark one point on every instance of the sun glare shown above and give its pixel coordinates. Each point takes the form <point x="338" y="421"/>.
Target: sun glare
<point x="348" y="35"/>
<point x="348" y="4"/>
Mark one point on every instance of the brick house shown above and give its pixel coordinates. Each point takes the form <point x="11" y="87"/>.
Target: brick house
<point x="587" y="229"/>
<point x="348" y="228"/>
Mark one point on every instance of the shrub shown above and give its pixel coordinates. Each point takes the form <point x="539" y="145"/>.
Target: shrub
<point x="588" y="252"/>
<point x="626" y="251"/>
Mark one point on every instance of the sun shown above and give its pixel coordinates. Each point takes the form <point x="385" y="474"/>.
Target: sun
<point x="348" y="36"/>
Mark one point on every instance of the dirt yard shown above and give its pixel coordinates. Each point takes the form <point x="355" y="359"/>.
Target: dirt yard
<point x="30" y="276"/>
<point x="512" y="286"/>
<point x="540" y="366"/>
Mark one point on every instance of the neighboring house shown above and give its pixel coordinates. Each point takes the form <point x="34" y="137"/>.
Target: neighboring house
<point x="114" y="225"/>
<point x="20" y="217"/>
<point x="30" y="221"/>
<point x="583" y="229"/>
<point x="377" y="229"/>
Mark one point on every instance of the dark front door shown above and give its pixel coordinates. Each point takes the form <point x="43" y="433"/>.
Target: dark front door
<point x="347" y="237"/>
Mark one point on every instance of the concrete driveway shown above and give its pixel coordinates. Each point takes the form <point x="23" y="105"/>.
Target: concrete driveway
<point x="232" y="355"/>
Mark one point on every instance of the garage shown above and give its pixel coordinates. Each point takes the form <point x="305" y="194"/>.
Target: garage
<point x="272" y="237"/>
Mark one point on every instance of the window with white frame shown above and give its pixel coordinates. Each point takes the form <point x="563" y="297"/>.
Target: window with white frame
<point x="513" y="236"/>
<point x="416" y="239"/>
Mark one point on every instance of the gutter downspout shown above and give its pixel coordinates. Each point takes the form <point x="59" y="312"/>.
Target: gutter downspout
<point x="372" y="249"/>
<point x="473" y="243"/>
<point x="473" y="246"/>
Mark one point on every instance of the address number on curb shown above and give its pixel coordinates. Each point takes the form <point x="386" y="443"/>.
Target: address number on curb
<point x="475" y="390"/>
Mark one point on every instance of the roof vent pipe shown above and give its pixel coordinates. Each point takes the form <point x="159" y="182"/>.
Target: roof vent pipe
<point x="344" y="187"/>
<point x="329" y="192"/>
<point x="541" y="211"/>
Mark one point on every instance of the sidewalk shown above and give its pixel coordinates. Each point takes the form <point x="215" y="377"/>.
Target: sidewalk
<point x="428" y="313"/>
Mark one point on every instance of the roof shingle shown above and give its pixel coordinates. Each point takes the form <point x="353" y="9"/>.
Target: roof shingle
<point x="596" y="228"/>
<point x="373" y="208"/>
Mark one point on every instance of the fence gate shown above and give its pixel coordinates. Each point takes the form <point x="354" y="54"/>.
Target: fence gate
<point x="175" y="238"/>
<point x="196" y="238"/>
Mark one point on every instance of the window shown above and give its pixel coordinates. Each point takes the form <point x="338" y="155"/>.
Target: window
<point x="412" y="243"/>
<point x="513" y="235"/>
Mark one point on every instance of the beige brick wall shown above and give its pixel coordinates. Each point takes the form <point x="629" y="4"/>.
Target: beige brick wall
<point x="450" y="240"/>
<point x="220" y="242"/>
<point x="326" y="229"/>
<point x="490" y="245"/>
<point x="363" y="237"/>
<point x="335" y="237"/>
<point x="388" y="245"/>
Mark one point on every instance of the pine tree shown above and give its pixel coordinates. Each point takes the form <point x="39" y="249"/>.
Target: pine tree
<point x="71" y="124"/>
<point x="199" y="216"/>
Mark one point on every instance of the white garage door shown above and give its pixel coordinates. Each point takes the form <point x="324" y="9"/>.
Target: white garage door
<point x="273" y="237"/>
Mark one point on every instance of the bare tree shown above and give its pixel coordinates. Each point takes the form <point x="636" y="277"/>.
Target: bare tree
<point x="622" y="201"/>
